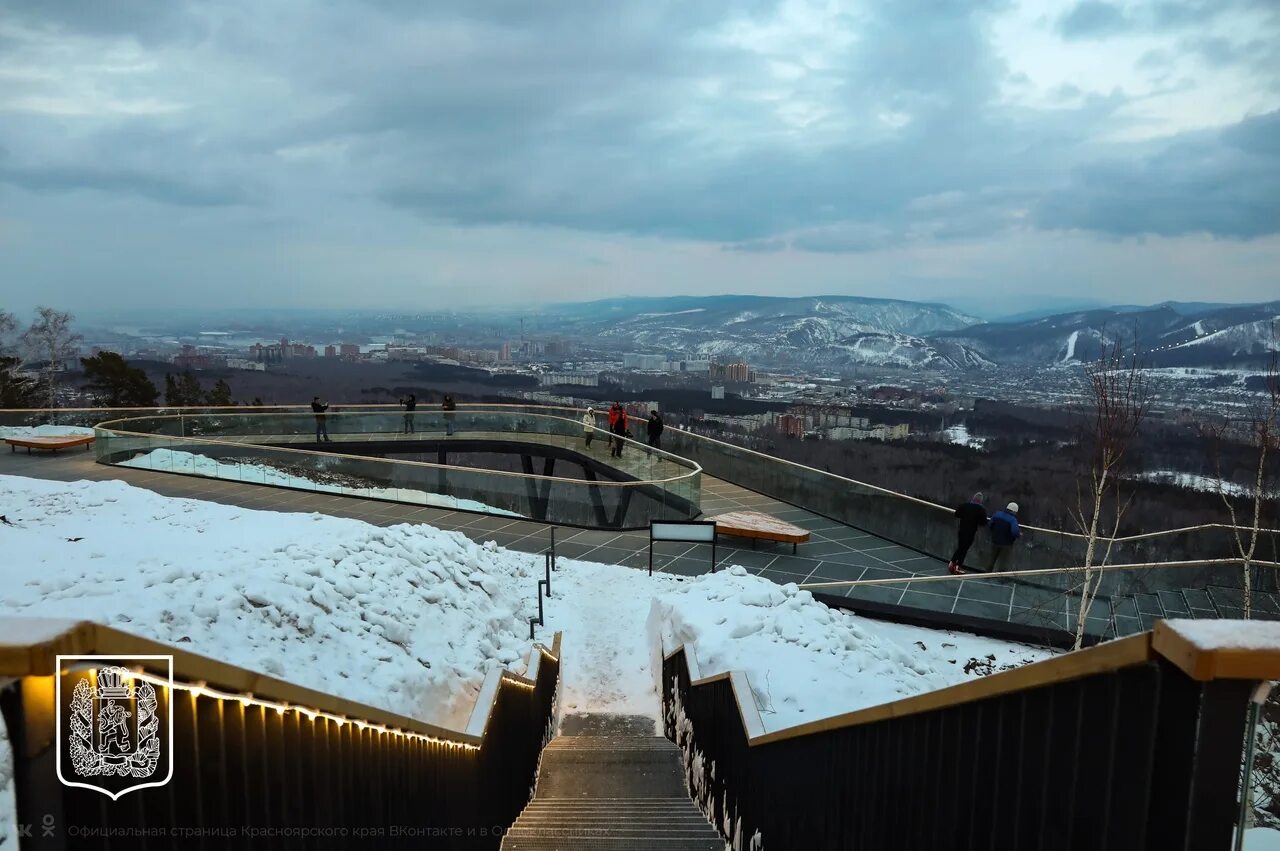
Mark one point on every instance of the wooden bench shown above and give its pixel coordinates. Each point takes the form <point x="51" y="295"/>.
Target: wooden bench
<point x="759" y="527"/>
<point x="53" y="444"/>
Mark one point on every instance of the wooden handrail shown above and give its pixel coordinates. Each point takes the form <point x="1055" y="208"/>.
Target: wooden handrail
<point x="983" y="576"/>
<point x="1236" y="650"/>
<point x="29" y="647"/>
<point x="355" y="406"/>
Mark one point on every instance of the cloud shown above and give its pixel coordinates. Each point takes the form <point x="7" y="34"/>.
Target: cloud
<point x="153" y="187"/>
<point x="1094" y="19"/>
<point x="1224" y="183"/>
<point x="780" y="127"/>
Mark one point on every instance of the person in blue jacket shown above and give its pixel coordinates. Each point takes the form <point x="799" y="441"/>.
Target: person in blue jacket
<point x="1004" y="531"/>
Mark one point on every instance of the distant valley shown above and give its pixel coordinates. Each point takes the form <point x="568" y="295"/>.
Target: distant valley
<point x="839" y="332"/>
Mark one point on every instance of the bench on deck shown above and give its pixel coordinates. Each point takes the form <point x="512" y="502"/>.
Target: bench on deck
<point x="758" y="526"/>
<point x="51" y="443"/>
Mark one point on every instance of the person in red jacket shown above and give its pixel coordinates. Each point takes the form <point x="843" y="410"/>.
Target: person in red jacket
<point x="617" y="428"/>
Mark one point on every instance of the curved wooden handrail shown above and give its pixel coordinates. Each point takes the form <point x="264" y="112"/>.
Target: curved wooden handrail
<point x="1238" y="650"/>
<point x="29" y="647"/>
<point x="356" y="407"/>
<point x="1047" y="571"/>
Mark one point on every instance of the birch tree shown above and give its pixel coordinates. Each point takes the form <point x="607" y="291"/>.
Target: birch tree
<point x="50" y="340"/>
<point x="1116" y="390"/>
<point x="1261" y="431"/>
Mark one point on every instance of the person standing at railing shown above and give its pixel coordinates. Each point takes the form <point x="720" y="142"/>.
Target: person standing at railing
<point x="654" y="427"/>
<point x="589" y="424"/>
<point x="972" y="516"/>
<point x="410" y="402"/>
<point x="322" y="428"/>
<point x="1004" y="532"/>
<point x="449" y="407"/>
<point x="618" y="425"/>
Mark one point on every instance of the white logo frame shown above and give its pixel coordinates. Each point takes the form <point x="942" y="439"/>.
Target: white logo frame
<point x="99" y="662"/>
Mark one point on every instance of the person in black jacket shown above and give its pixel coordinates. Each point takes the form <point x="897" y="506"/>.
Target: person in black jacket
<point x="410" y="402"/>
<point x="322" y="428"/>
<point x="448" y="406"/>
<point x="655" y="427"/>
<point x="971" y="517"/>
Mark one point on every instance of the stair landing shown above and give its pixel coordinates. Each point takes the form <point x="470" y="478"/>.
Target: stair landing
<point x="608" y="783"/>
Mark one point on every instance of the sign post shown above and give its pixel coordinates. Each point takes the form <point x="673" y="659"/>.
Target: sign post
<point x="685" y="531"/>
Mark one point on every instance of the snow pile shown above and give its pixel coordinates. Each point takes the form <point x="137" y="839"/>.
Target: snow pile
<point x="960" y="436"/>
<point x="44" y="431"/>
<point x="806" y="661"/>
<point x="192" y="464"/>
<point x="407" y="618"/>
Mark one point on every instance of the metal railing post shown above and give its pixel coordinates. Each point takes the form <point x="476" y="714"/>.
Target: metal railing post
<point x="1258" y="698"/>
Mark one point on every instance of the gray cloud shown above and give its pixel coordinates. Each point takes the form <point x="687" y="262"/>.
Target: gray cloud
<point x="1225" y="183"/>
<point x="886" y="127"/>
<point x="1094" y="19"/>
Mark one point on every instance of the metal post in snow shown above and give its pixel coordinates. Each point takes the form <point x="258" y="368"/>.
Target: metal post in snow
<point x="1250" y="737"/>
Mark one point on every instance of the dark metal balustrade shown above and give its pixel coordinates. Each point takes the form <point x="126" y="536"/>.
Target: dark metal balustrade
<point x="1136" y="744"/>
<point x="260" y="763"/>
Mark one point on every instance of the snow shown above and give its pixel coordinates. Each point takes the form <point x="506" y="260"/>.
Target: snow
<point x="1229" y="634"/>
<point x="171" y="460"/>
<point x="8" y="806"/>
<point x="409" y="618"/>
<point x="1261" y="839"/>
<point x="959" y="435"/>
<point x="805" y="661"/>
<point x="44" y="431"/>
<point x="1071" y="346"/>
<point x="1196" y="482"/>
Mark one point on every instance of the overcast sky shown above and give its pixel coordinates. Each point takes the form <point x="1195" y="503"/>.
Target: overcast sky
<point x="396" y="153"/>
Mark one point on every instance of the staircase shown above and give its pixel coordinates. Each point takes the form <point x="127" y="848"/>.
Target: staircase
<point x="607" y="783"/>
<point x="1134" y="613"/>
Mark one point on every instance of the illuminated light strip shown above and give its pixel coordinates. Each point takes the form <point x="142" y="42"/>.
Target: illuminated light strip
<point x="202" y="689"/>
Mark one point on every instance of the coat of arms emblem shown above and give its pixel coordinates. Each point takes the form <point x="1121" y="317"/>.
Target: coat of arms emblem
<point x="114" y="725"/>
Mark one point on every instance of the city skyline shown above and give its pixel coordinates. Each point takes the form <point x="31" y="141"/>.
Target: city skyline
<point x="990" y="156"/>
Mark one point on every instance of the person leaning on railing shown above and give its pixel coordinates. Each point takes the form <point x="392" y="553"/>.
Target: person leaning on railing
<point x="972" y="516"/>
<point x="1004" y="532"/>
<point x="589" y="424"/>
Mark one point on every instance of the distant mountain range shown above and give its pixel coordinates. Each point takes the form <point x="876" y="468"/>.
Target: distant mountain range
<point x="836" y="332"/>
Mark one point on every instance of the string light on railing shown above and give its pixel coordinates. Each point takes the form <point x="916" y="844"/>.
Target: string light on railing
<point x="202" y="689"/>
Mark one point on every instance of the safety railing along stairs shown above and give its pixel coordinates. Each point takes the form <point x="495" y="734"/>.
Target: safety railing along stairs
<point x="613" y="787"/>
<point x="1133" y="744"/>
<point x="255" y="761"/>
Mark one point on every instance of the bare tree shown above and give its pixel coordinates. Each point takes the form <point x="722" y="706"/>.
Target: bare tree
<point x="1116" y="388"/>
<point x="51" y="341"/>
<point x="1261" y="432"/>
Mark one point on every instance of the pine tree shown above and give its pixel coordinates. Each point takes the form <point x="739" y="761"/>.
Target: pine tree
<point x="220" y="395"/>
<point x="116" y="384"/>
<point x="183" y="391"/>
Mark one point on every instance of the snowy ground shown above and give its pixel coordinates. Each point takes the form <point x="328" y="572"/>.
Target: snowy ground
<point x="1194" y="481"/>
<point x="409" y="617"/>
<point x="192" y="464"/>
<point x="43" y="431"/>
<point x="959" y="435"/>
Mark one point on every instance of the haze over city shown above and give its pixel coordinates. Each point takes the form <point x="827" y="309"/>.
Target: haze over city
<point x="992" y="155"/>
